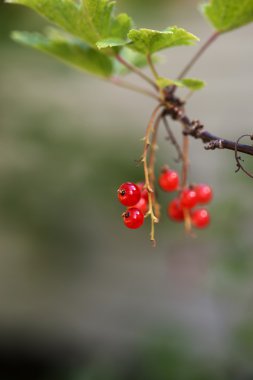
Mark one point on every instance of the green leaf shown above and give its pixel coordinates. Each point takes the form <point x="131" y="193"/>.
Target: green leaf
<point x="193" y="84"/>
<point x="226" y="15"/>
<point x="111" y="42"/>
<point x="71" y="50"/>
<point x="149" y="41"/>
<point x="90" y="20"/>
<point x="165" y="82"/>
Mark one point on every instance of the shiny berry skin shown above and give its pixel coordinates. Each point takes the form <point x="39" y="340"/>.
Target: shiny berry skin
<point x="175" y="210"/>
<point x="200" y="218"/>
<point x="188" y="198"/>
<point x="142" y="205"/>
<point x="169" y="180"/>
<point x="133" y="218"/>
<point x="204" y="193"/>
<point x="144" y="192"/>
<point x="129" y="194"/>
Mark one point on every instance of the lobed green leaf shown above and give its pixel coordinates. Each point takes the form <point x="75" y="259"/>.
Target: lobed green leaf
<point x="71" y="50"/>
<point x="148" y="41"/>
<point x="226" y="15"/>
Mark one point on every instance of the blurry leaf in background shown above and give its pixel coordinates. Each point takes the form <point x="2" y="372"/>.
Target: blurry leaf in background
<point x="164" y="82"/>
<point x="110" y="43"/>
<point x="193" y="84"/>
<point x="169" y="355"/>
<point x="149" y="41"/>
<point x="71" y="50"/>
<point x="226" y="15"/>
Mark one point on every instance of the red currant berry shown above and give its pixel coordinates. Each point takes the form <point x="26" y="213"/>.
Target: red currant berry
<point x="175" y="210"/>
<point x="169" y="180"/>
<point x="133" y="218"/>
<point x="142" y="205"/>
<point x="204" y="193"/>
<point x="129" y="194"/>
<point x="188" y="198"/>
<point x="200" y="218"/>
<point x="144" y="192"/>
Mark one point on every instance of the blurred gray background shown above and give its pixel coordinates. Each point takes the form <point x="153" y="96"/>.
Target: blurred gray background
<point x="71" y="275"/>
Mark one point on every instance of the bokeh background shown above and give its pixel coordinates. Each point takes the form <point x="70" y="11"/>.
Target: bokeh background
<point x="81" y="297"/>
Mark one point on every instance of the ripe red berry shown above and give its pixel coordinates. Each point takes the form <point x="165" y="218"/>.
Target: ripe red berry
<point x="129" y="194"/>
<point x="142" y="205"/>
<point x="169" y="180"/>
<point x="175" y="210"/>
<point x="188" y="198"/>
<point x="204" y="193"/>
<point x="133" y="218"/>
<point x="200" y="218"/>
<point x="144" y="192"/>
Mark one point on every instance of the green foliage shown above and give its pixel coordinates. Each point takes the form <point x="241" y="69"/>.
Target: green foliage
<point x="165" y="82"/>
<point x="88" y="26"/>
<point x="71" y="50"/>
<point x="91" y="35"/>
<point x="149" y="41"/>
<point x="192" y="84"/>
<point x="226" y="15"/>
<point x="90" y="20"/>
<point x="110" y="42"/>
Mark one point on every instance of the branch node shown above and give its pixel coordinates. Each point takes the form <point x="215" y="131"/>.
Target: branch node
<point x="215" y="144"/>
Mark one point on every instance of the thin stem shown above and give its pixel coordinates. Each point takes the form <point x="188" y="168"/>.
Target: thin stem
<point x="148" y="185"/>
<point x="173" y="139"/>
<point x="136" y="71"/>
<point x="152" y="157"/>
<point x="153" y="148"/>
<point x="185" y="167"/>
<point x="238" y="158"/>
<point x="199" y="53"/>
<point x="152" y="66"/>
<point x="121" y="83"/>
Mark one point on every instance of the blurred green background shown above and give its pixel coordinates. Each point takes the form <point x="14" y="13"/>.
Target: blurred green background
<point x="82" y="298"/>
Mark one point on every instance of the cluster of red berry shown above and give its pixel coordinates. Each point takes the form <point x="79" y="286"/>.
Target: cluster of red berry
<point x="188" y="198"/>
<point x="135" y="197"/>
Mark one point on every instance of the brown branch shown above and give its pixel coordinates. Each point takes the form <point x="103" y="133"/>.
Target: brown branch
<point x="195" y="129"/>
<point x="238" y="158"/>
<point x="214" y="142"/>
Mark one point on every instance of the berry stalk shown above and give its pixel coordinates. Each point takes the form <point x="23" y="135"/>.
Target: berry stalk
<point x="185" y="167"/>
<point x="148" y="184"/>
<point x="152" y="157"/>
